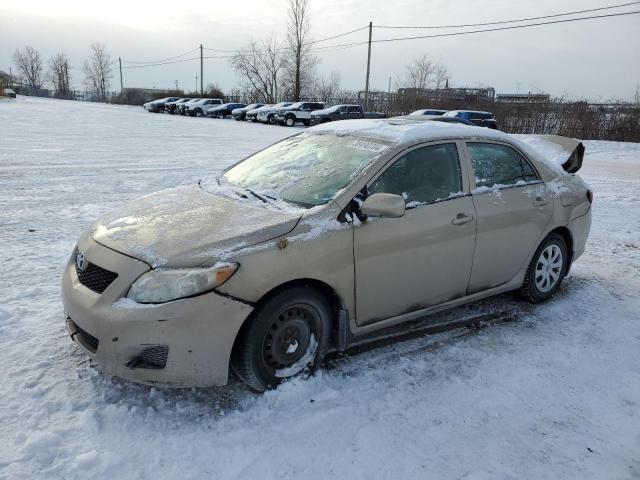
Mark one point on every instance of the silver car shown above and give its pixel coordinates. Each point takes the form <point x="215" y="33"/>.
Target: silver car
<point x="325" y="236"/>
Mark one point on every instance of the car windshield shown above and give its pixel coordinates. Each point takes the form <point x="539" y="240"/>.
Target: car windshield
<point x="306" y="169"/>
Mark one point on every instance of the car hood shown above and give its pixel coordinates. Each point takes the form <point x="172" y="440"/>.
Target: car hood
<point x="187" y="227"/>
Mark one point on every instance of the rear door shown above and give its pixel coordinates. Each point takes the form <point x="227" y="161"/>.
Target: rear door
<point x="423" y="258"/>
<point x="514" y="208"/>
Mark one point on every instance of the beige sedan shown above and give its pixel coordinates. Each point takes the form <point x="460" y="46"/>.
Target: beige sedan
<point x="325" y="236"/>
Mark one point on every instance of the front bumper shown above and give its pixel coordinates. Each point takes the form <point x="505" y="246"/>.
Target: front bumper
<point x="199" y="332"/>
<point x="317" y="120"/>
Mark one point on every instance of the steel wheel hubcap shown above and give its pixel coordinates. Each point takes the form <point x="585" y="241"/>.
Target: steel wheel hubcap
<point x="288" y="337"/>
<point x="548" y="268"/>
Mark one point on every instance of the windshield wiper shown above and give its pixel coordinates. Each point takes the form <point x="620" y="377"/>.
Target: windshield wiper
<point x="259" y="197"/>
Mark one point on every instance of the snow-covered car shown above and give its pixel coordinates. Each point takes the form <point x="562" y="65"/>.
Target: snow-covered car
<point x="429" y="111"/>
<point x="481" y="119"/>
<point x="157" y="106"/>
<point x="297" y="112"/>
<point x="240" y="113"/>
<point x="252" y="115"/>
<point x="385" y="221"/>
<point x="268" y="114"/>
<point x="222" y="111"/>
<point x="9" y="92"/>
<point x="172" y="107"/>
<point x="437" y="118"/>
<point x="341" y="112"/>
<point x="200" y="107"/>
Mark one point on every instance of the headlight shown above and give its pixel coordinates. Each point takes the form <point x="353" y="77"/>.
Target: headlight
<point x="164" y="285"/>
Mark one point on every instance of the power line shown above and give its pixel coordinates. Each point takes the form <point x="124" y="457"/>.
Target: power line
<point x="469" y="32"/>
<point x="287" y="48"/>
<point x="162" y="63"/>
<point x="344" y="34"/>
<point x="511" y="21"/>
<point x="164" y="59"/>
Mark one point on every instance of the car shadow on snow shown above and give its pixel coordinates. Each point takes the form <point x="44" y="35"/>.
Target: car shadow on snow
<point x="429" y="334"/>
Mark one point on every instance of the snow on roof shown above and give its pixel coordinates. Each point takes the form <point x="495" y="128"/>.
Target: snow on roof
<point x="398" y="130"/>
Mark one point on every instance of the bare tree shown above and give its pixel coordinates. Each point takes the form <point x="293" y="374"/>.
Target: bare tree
<point x="418" y="73"/>
<point x="213" y="90"/>
<point x="97" y="70"/>
<point x="328" y="90"/>
<point x="441" y="76"/>
<point x="258" y="66"/>
<point x="59" y="75"/>
<point x="29" y="63"/>
<point x="300" y="62"/>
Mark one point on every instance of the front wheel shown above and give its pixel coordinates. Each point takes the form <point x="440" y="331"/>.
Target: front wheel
<point x="546" y="270"/>
<point x="288" y="334"/>
<point x="290" y="121"/>
<point x="272" y="120"/>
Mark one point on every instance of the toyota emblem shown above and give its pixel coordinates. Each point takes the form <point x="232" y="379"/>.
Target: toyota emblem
<point x="81" y="262"/>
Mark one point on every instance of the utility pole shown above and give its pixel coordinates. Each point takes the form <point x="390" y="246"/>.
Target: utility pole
<point x="10" y="78"/>
<point x="196" y="83"/>
<point x="120" y="63"/>
<point x="201" y="73"/>
<point x="176" y="86"/>
<point x="366" y="87"/>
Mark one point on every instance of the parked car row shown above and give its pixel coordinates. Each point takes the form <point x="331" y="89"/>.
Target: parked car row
<point x="307" y="113"/>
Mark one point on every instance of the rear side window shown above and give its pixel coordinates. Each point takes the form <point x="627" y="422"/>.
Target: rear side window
<point x="499" y="165"/>
<point x="424" y="175"/>
<point x="354" y="109"/>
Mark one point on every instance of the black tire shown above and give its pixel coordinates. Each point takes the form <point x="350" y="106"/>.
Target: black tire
<point x="272" y="119"/>
<point x="543" y="266"/>
<point x="197" y="112"/>
<point x="290" y="121"/>
<point x="292" y="319"/>
<point x="306" y="123"/>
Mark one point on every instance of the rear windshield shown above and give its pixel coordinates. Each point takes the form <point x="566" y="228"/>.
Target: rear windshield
<point x="306" y="169"/>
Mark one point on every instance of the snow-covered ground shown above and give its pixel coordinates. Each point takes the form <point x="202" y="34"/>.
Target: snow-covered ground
<point x="553" y="393"/>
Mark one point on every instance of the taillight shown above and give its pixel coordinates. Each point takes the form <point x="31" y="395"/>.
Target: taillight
<point x="590" y="196"/>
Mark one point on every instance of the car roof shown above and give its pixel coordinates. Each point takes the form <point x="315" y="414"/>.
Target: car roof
<point x="406" y="130"/>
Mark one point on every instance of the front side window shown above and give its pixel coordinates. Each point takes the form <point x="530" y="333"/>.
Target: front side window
<point x="495" y="164"/>
<point x="423" y="175"/>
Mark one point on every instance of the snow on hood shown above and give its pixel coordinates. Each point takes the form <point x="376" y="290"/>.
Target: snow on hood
<point x="187" y="226"/>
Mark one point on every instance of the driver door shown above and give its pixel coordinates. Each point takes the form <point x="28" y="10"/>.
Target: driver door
<point x="423" y="258"/>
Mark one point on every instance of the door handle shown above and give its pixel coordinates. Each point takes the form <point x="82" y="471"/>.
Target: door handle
<point x="461" y="219"/>
<point x="539" y="202"/>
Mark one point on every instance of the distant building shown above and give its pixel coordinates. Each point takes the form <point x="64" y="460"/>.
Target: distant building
<point x="523" y="97"/>
<point x="444" y="94"/>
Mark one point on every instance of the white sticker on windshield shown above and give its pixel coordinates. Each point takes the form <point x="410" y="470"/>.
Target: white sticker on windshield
<point x="368" y="146"/>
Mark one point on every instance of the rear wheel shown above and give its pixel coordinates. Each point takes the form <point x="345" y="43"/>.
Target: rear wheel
<point x="286" y="336"/>
<point x="546" y="270"/>
<point x="272" y="119"/>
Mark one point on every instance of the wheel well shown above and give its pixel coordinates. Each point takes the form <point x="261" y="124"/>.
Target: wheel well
<point x="323" y="288"/>
<point x="565" y="233"/>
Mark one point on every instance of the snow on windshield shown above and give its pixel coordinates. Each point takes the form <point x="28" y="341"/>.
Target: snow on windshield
<point x="306" y="170"/>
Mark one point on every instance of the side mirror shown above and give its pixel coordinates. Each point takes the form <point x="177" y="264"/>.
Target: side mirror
<point x="383" y="205"/>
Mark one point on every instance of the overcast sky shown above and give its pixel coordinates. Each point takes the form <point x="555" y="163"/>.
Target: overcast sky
<point x="596" y="59"/>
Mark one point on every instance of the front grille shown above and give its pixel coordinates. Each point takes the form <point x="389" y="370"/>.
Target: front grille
<point x="95" y="278"/>
<point x="84" y="338"/>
